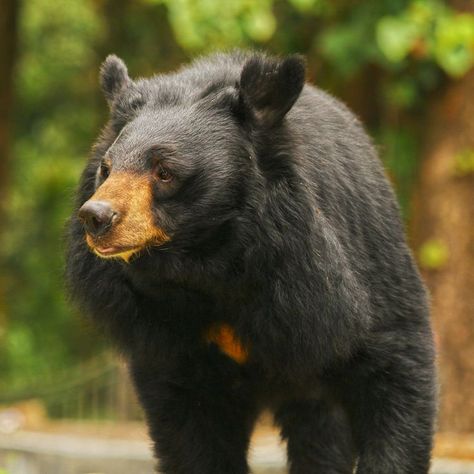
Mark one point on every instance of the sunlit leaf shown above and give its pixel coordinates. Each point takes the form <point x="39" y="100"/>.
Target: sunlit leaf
<point x="433" y="254"/>
<point x="454" y="44"/>
<point x="464" y="163"/>
<point x="305" y="5"/>
<point x="260" y="25"/>
<point x="396" y="37"/>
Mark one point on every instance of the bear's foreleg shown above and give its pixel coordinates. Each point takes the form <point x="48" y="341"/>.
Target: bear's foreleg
<point x="318" y="437"/>
<point x="392" y="414"/>
<point x="197" y="427"/>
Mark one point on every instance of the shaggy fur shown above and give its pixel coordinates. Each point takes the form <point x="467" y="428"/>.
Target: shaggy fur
<point x="282" y="226"/>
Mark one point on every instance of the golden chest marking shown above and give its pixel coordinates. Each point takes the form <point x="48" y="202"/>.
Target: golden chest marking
<point x="224" y="337"/>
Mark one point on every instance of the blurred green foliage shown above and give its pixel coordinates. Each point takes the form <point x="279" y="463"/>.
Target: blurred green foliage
<point x="200" y="24"/>
<point x="56" y="115"/>
<point x="430" y="30"/>
<point x="433" y="254"/>
<point x="464" y="163"/>
<point x="386" y="58"/>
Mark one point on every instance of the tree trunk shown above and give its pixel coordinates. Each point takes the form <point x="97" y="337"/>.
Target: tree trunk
<point x="8" y="40"/>
<point x="443" y="232"/>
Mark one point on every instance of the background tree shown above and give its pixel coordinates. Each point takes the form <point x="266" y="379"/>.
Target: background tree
<point x="8" y="39"/>
<point x="444" y="236"/>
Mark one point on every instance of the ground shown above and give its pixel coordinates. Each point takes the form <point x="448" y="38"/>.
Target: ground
<point x="72" y="448"/>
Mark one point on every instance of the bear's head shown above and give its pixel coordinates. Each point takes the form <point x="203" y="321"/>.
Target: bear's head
<point x="181" y="152"/>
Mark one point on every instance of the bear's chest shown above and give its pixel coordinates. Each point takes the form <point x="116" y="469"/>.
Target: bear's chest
<point x="225" y="338"/>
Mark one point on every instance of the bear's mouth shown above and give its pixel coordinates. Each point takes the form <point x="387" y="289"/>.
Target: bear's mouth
<point x="113" y="251"/>
<point x="125" y="253"/>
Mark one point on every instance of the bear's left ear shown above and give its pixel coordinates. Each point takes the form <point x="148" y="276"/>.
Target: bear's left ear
<point x="113" y="77"/>
<point x="269" y="87"/>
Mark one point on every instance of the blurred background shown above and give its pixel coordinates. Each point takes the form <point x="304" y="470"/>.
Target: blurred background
<point x="404" y="66"/>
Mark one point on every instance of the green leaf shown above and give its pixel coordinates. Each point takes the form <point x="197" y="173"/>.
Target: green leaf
<point x="402" y="93"/>
<point x="433" y="254"/>
<point x="305" y="5"/>
<point x="396" y="37"/>
<point x="454" y="44"/>
<point x="464" y="163"/>
<point x="260" y="25"/>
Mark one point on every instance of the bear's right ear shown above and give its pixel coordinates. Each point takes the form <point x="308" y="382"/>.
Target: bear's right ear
<point x="269" y="87"/>
<point x="113" y="77"/>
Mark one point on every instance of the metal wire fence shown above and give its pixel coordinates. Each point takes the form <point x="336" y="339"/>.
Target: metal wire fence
<point x="98" y="389"/>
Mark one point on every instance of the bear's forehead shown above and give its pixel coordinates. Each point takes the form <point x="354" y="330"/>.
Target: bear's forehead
<point x="162" y="92"/>
<point x="177" y="133"/>
<point x="181" y="124"/>
<point x="187" y="86"/>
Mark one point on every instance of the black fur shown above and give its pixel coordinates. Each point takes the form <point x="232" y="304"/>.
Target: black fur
<point x="283" y="225"/>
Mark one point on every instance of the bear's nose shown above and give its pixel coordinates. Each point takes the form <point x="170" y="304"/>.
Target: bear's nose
<point x="97" y="217"/>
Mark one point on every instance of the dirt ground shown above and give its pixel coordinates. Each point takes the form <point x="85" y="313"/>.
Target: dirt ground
<point x="447" y="445"/>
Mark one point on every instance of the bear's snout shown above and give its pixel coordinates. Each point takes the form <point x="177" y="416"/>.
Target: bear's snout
<point x="119" y="220"/>
<point x="97" y="217"/>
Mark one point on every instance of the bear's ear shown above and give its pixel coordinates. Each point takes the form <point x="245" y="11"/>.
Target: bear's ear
<point x="269" y="87"/>
<point x="113" y="77"/>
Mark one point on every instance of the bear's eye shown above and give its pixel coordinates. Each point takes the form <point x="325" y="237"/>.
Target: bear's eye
<point x="104" y="170"/>
<point x="163" y="174"/>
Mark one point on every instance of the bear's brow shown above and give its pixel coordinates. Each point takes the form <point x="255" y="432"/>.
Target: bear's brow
<point x="165" y="149"/>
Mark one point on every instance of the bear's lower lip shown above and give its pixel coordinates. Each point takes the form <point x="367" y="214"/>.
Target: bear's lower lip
<point x="109" y="251"/>
<point x="125" y="253"/>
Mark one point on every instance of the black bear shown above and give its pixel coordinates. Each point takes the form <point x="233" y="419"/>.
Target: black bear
<point x="236" y="237"/>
